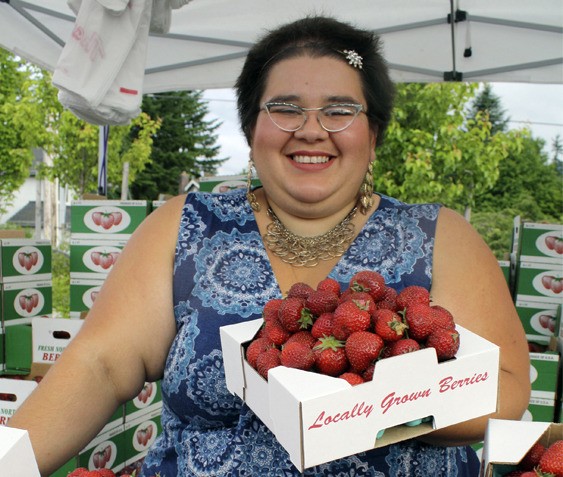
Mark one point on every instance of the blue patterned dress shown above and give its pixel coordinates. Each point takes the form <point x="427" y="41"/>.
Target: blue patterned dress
<point x="222" y="276"/>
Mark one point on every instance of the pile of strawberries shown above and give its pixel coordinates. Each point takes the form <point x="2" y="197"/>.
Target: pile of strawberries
<point x="343" y="333"/>
<point x="541" y="461"/>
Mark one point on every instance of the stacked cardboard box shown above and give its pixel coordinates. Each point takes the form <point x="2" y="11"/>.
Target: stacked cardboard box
<point x="507" y="442"/>
<point x="26" y="289"/>
<point x="99" y="230"/>
<point x="537" y="287"/>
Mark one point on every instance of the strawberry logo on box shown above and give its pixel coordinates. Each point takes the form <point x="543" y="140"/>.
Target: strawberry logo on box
<point x="101" y="259"/>
<point x="146" y="396"/>
<point x="144" y="435"/>
<point x="549" y="283"/>
<point x="550" y="244"/>
<point x="90" y="295"/>
<point x="107" y="219"/>
<point x="29" y="302"/>
<point x="28" y="260"/>
<point x="103" y="456"/>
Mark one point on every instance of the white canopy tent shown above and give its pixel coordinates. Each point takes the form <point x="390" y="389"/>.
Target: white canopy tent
<point x="487" y="41"/>
<point x="509" y="40"/>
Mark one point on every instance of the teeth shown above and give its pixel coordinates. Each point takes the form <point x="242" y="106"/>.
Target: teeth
<point x="311" y="159"/>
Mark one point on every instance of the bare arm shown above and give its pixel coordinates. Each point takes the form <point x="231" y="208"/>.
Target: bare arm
<point x="468" y="281"/>
<point x="123" y="342"/>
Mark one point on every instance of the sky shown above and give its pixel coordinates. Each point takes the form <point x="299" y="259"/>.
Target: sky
<point x="538" y="107"/>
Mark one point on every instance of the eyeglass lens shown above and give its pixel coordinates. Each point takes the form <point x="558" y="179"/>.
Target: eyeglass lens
<point x="332" y="118"/>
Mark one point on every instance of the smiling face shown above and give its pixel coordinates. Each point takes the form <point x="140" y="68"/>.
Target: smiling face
<point x="311" y="172"/>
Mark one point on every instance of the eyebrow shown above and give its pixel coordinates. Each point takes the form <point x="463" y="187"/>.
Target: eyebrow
<point x="292" y="98"/>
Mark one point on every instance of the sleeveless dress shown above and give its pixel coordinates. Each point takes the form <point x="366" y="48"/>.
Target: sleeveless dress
<point x="222" y="276"/>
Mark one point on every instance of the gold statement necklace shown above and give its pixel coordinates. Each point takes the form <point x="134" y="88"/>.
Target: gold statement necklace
<point x="308" y="251"/>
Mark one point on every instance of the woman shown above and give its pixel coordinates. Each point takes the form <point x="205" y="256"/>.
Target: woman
<point x="314" y="99"/>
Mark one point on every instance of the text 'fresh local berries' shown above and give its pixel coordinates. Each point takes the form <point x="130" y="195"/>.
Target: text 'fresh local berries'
<point x="343" y="332"/>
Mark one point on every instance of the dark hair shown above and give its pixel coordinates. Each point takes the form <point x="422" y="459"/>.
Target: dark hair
<point x="316" y="36"/>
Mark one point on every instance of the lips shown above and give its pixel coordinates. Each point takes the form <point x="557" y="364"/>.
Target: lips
<point x="300" y="159"/>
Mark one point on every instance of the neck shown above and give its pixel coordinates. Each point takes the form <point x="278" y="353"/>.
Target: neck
<point x="311" y="223"/>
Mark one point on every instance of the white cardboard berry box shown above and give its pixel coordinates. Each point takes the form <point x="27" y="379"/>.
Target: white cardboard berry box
<point x="16" y="454"/>
<point x="507" y="442"/>
<point x="318" y="418"/>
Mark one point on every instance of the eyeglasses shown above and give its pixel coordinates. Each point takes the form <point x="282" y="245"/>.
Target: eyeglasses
<point x="332" y="117"/>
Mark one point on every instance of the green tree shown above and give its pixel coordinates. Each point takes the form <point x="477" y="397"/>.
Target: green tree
<point x="76" y="148"/>
<point x="185" y="142"/>
<point x="434" y="151"/>
<point x="488" y="102"/>
<point x="24" y="116"/>
<point x="529" y="183"/>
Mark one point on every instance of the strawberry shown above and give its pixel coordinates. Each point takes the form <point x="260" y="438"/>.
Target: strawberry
<point x="303" y="336"/>
<point x="267" y="360"/>
<point x="79" y="472"/>
<point x="445" y="342"/>
<point x="270" y="311"/>
<point x="293" y="315"/>
<point x="389" y="325"/>
<point x="389" y="300"/>
<point x="349" y="317"/>
<point x="406" y="345"/>
<point x="420" y="320"/>
<point x="363" y="299"/>
<point x="368" y="373"/>
<point x="321" y="301"/>
<point x="362" y="349"/>
<point x="299" y="290"/>
<point x="276" y="333"/>
<point x="368" y="281"/>
<point x="330" y="356"/>
<point x="323" y="325"/>
<point x="551" y="462"/>
<point x="255" y="348"/>
<point x="353" y="378"/>
<point x="297" y="355"/>
<point x="329" y="284"/>
<point x="411" y="295"/>
<point x="106" y="473"/>
<point x="532" y="457"/>
<point x="442" y="318"/>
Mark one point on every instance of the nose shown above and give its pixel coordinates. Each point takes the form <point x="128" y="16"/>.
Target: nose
<point x="311" y="129"/>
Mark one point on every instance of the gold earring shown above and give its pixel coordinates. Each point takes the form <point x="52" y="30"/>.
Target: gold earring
<point x="249" y="194"/>
<point x="366" y="190"/>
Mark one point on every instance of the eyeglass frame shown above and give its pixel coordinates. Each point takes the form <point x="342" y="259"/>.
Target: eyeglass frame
<point x="359" y="109"/>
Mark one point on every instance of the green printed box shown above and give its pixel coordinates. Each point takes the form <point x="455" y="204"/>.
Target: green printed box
<point x="505" y="268"/>
<point x="105" y="451"/>
<point x="25" y="260"/>
<point x="148" y="399"/>
<point x="114" y="219"/>
<point x="89" y="258"/>
<point x="140" y="434"/>
<point x="544" y="374"/>
<point x="540" y="410"/>
<point x="41" y="342"/>
<point x="541" y="242"/>
<point x="83" y="293"/>
<point x="21" y="301"/>
<point x="539" y="282"/>
<point x="538" y="319"/>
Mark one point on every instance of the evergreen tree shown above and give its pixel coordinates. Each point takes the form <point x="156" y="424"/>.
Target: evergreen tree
<point x="184" y="142"/>
<point x="529" y="182"/>
<point x="488" y="102"/>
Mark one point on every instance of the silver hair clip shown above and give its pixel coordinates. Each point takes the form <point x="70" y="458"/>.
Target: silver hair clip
<point x="353" y="58"/>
